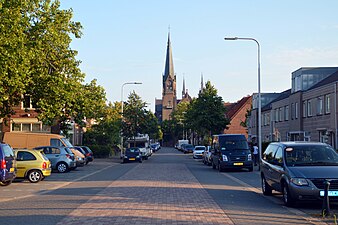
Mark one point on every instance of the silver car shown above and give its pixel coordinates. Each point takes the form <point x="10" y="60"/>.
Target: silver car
<point x="298" y="170"/>
<point x="62" y="158"/>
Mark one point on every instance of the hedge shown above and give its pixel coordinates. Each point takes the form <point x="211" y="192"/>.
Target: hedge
<point x="103" y="151"/>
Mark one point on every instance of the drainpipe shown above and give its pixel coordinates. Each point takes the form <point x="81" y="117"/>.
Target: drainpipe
<point x="335" y="114"/>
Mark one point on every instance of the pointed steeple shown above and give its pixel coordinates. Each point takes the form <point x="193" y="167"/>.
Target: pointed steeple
<point x="169" y="65"/>
<point x="183" y="90"/>
<point x="202" y="85"/>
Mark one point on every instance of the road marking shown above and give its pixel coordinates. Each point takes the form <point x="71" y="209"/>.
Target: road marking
<point x="57" y="187"/>
<point x="297" y="212"/>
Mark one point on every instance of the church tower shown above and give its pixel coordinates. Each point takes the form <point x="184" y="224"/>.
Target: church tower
<point x="169" y="99"/>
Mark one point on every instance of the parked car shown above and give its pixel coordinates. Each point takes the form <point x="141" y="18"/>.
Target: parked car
<point x="155" y="146"/>
<point x="206" y="158"/>
<point x="32" y="165"/>
<point x="80" y="159"/>
<point x="80" y="149"/>
<point x="231" y="151"/>
<point x="198" y="152"/>
<point x="61" y="158"/>
<point x="298" y="170"/>
<point x="187" y="148"/>
<point x="180" y="143"/>
<point x="7" y="165"/>
<point x="89" y="153"/>
<point x="132" y="154"/>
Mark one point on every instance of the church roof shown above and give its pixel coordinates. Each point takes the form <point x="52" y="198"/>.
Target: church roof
<point x="169" y="65"/>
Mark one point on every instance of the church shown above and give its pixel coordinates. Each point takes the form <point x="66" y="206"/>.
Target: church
<point x="165" y="106"/>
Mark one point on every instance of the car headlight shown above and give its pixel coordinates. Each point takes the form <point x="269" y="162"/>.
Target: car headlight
<point x="249" y="157"/>
<point x="125" y="157"/>
<point x="137" y="156"/>
<point x="299" y="181"/>
<point x="225" y="158"/>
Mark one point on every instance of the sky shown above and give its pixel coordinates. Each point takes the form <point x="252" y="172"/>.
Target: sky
<point x="125" y="41"/>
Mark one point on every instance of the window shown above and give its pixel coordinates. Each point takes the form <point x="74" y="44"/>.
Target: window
<point x="269" y="153"/>
<point x="309" y="108"/>
<point x="55" y="150"/>
<point x="320" y="106"/>
<point x="26" y="102"/>
<point x="292" y="111"/>
<point x="327" y="103"/>
<point x="16" y="127"/>
<point x="280" y="114"/>
<point x="296" y="110"/>
<point x="304" y="108"/>
<point x="55" y="142"/>
<point x="26" y="127"/>
<point x="287" y="112"/>
<point x="36" y="127"/>
<point x="279" y="155"/>
<point x="25" y="156"/>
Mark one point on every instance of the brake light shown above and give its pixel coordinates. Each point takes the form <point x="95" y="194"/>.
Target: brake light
<point x="3" y="164"/>
<point x="44" y="165"/>
<point x="88" y="154"/>
<point x="68" y="156"/>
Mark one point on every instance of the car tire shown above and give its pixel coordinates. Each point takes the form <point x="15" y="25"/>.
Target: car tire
<point x="5" y="183"/>
<point x="287" y="199"/>
<point x="34" y="176"/>
<point x="62" y="167"/>
<point x="266" y="189"/>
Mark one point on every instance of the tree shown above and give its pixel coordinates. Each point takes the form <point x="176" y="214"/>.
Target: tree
<point x="36" y="60"/>
<point x="206" y="114"/>
<point x="133" y="115"/>
<point x="107" y="129"/>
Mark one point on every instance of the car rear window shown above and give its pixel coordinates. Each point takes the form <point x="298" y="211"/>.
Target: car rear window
<point x="199" y="148"/>
<point x="8" y="152"/>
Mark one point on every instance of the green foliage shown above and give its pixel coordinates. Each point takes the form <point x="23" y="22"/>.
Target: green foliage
<point x="206" y="114"/>
<point x="36" y="60"/>
<point x="102" y="151"/>
<point x="107" y="129"/>
<point x="138" y="120"/>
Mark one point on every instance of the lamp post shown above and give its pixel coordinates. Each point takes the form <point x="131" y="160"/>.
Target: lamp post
<point x="259" y="89"/>
<point x="122" y="109"/>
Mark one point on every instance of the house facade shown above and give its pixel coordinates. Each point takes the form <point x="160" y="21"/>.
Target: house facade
<point x="306" y="112"/>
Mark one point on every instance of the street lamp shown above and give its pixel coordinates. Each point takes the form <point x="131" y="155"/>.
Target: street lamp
<point x="122" y="108"/>
<point x="259" y="89"/>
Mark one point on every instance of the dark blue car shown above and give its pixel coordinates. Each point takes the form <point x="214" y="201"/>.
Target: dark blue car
<point x="7" y="165"/>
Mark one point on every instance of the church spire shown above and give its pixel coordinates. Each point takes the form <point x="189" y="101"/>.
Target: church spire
<point x="183" y="90"/>
<point x="169" y="65"/>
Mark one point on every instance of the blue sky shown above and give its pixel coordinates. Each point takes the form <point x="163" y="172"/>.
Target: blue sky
<point x="125" y="41"/>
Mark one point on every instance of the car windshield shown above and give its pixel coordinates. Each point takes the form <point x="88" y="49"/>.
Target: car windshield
<point x="188" y="146"/>
<point x="200" y="148"/>
<point x="228" y="145"/>
<point x="133" y="150"/>
<point x="66" y="142"/>
<point x="311" y="156"/>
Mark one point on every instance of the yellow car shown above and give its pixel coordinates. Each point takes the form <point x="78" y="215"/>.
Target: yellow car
<point x="32" y="164"/>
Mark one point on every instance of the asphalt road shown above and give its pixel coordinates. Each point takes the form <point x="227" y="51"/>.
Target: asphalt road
<point x="64" y="198"/>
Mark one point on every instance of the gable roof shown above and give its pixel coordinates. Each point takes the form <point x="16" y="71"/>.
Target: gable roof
<point x="233" y="108"/>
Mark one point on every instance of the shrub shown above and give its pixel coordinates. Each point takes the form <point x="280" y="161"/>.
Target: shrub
<point x="102" y="151"/>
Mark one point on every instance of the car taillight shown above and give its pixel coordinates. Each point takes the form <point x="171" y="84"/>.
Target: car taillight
<point x="44" y="165"/>
<point x="88" y="154"/>
<point x="68" y="156"/>
<point x="3" y="164"/>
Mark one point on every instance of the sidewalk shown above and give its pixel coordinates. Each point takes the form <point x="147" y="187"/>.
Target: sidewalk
<point x="151" y="193"/>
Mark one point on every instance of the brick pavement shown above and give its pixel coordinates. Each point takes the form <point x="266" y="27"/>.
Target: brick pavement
<point x="151" y="194"/>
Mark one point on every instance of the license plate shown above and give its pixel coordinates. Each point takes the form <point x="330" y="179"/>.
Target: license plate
<point x="330" y="193"/>
<point x="238" y="164"/>
<point x="11" y="170"/>
<point x="131" y="158"/>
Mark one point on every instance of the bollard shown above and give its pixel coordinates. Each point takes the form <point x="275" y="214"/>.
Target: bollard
<point x="326" y="202"/>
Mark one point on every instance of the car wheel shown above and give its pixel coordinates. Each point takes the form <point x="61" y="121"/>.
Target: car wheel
<point x="146" y="158"/>
<point x="5" y="183"/>
<point x="34" y="176"/>
<point x="62" y="167"/>
<point x="266" y="189"/>
<point x="288" y="200"/>
<point x="87" y="162"/>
